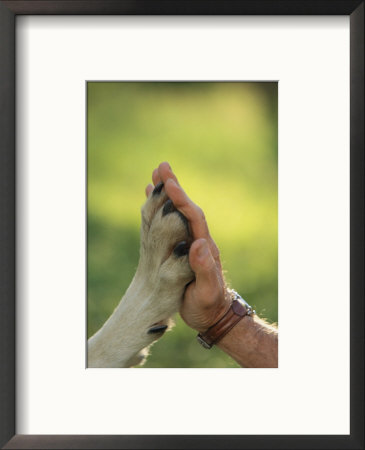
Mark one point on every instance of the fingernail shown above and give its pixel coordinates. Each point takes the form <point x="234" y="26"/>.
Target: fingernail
<point x="203" y="249"/>
<point x="170" y="180"/>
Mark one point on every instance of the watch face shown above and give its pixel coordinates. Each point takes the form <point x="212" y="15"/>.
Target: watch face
<point x="203" y="343"/>
<point x="242" y="300"/>
<point x="239" y="308"/>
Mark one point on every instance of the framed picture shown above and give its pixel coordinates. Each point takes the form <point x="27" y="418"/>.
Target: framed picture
<point x="177" y="110"/>
<point x="259" y="107"/>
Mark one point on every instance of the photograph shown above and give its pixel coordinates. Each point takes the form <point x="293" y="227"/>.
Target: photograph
<point x="182" y="194"/>
<point x="182" y="224"/>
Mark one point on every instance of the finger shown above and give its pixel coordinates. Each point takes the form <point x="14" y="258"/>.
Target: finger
<point x="194" y="214"/>
<point x="156" y="177"/>
<point x="148" y="189"/>
<point x="190" y="210"/>
<point x="165" y="172"/>
<point x="202" y="263"/>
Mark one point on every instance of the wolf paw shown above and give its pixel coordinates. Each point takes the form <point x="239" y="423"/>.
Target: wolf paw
<point x="164" y="255"/>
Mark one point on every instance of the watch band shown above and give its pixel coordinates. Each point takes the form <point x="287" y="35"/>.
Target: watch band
<point x="238" y="310"/>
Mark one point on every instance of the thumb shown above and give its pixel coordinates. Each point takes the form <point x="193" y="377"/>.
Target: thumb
<point x="203" y="264"/>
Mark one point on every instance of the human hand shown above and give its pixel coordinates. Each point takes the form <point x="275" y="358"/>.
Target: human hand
<point x="206" y="299"/>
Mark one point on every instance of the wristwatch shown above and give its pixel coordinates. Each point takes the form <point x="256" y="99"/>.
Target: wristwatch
<point x="238" y="310"/>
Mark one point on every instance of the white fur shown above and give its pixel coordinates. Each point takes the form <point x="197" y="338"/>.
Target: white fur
<point x="154" y="294"/>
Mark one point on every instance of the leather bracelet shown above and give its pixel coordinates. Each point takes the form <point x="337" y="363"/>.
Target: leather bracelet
<point x="237" y="311"/>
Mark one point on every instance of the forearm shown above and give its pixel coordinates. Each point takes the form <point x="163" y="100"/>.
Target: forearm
<point x="121" y="341"/>
<point x="116" y="343"/>
<point x="252" y="343"/>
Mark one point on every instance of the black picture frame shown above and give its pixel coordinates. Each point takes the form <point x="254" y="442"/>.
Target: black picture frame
<point x="8" y="12"/>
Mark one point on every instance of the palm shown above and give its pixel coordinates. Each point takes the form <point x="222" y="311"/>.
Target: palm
<point x="202" y="304"/>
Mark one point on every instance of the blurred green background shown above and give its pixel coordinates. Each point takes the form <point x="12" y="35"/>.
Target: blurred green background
<point x="221" y="141"/>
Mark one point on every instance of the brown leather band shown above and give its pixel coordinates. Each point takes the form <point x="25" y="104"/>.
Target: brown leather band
<point x="216" y="332"/>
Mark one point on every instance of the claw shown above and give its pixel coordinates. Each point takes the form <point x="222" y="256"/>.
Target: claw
<point x="158" y="189"/>
<point x="182" y="249"/>
<point x="168" y="208"/>
<point x="157" y="329"/>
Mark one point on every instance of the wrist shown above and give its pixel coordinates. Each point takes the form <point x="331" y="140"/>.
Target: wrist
<point x="219" y="309"/>
<point x="237" y="310"/>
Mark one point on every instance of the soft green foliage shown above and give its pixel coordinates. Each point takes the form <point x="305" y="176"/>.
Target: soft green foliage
<point x="221" y="141"/>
